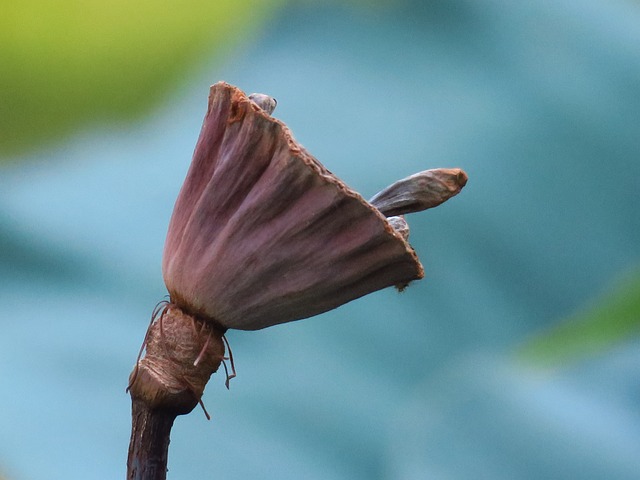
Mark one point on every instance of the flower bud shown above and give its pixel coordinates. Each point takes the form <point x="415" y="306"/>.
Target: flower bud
<point x="420" y="191"/>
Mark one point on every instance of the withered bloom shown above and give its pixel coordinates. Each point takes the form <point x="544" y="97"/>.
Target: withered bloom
<point x="261" y="234"/>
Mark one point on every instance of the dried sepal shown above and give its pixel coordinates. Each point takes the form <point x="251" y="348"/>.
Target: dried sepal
<point x="176" y="382"/>
<point x="420" y="191"/>
<point x="263" y="234"/>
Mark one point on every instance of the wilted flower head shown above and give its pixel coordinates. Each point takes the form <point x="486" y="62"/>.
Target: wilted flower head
<point x="263" y="234"/>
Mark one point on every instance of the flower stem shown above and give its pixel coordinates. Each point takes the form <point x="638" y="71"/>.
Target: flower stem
<point x="149" y="445"/>
<point x="181" y="354"/>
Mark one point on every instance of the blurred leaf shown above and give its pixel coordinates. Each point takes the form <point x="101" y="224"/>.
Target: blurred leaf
<point x="614" y="318"/>
<point x="66" y="63"/>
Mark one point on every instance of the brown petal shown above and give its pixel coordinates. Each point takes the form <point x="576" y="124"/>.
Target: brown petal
<point x="420" y="191"/>
<point x="263" y="234"/>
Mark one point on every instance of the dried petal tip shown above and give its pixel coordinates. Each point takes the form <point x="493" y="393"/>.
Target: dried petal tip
<point x="265" y="102"/>
<point x="263" y="234"/>
<point x="420" y="191"/>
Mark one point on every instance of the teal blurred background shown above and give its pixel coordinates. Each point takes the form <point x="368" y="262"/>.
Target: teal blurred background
<point x="518" y="356"/>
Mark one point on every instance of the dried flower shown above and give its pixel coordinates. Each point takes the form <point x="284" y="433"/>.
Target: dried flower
<point x="263" y="234"/>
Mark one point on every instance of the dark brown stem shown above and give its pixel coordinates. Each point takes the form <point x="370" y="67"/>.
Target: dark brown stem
<point x="149" y="446"/>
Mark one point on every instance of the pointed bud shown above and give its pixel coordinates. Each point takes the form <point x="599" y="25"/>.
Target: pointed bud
<point x="420" y="191"/>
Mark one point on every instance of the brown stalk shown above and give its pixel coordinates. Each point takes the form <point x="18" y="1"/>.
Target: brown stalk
<point x="169" y="381"/>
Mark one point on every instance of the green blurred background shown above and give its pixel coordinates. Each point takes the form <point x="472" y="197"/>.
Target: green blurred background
<point x="68" y="65"/>
<point x="518" y="355"/>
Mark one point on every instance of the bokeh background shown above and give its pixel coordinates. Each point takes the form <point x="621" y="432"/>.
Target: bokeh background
<point x="518" y="356"/>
